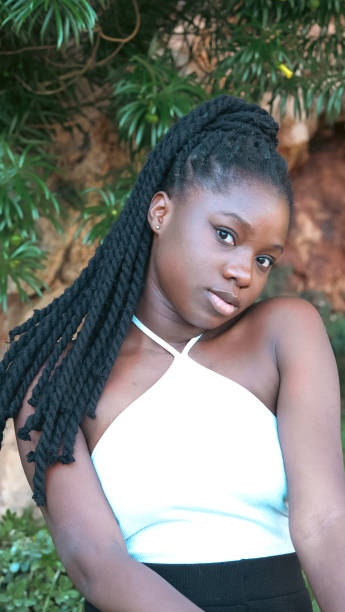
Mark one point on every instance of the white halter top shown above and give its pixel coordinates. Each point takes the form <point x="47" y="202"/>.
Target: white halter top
<point x="193" y="469"/>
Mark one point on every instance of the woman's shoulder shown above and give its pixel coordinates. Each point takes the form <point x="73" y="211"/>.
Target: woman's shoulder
<point x="294" y="327"/>
<point x="284" y="323"/>
<point x="286" y="304"/>
<point x="284" y="314"/>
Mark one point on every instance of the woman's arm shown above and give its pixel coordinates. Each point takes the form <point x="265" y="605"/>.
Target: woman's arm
<point x="88" y="539"/>
<point x="308" y="415"/>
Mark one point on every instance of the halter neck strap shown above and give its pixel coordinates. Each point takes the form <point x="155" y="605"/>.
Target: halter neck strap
<point x="162" y="342"/>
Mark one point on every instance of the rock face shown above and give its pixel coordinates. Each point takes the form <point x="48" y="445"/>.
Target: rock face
<point x="316" y="251"/>
<point x="317" y="245"/>
<point x="15" y="492"/>
<point x="294" y="133"/>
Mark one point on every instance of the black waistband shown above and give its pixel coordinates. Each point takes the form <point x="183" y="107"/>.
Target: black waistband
<point x="267" y="584"/>
<point x="234" y="581"/>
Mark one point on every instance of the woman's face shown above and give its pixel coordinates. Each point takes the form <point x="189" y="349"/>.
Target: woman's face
<point x="213" y="252"/>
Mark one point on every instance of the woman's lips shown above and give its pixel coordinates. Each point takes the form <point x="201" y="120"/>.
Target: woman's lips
<point x="220" y="305"/>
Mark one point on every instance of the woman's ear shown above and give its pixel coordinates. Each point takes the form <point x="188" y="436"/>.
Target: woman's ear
<point x="159" y="210"/>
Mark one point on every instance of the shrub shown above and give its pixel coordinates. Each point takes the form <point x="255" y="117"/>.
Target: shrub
<point x="31" y="576"/>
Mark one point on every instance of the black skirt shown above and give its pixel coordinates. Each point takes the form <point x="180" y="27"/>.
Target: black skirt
<point x="264" y="584"/>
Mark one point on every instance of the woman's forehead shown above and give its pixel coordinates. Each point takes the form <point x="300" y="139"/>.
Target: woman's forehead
<point x="249" y="198"/>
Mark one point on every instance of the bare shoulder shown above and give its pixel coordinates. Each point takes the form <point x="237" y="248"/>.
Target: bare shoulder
<point x="300" y="337"/>
<point x="283" y="316"/>
<point x="286" y="306"/>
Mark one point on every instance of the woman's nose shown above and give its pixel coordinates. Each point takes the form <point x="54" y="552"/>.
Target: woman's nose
<point x="239" y="267"/>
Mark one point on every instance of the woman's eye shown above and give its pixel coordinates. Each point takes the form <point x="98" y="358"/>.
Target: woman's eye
<point x="226" y="236"/>
<point x="264" y="261"/>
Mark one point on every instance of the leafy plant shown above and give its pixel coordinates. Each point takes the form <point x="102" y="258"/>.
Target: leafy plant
<point x="150" y="97"/>
<point x="31" y="576"/>
<point x="104" y="213"/>
<point x="286" y="48"/>
<point x="24" y="195"/>
<point x="24" y="198"/>
<point x="68" y="15"/>
<point x="18" y="260"/>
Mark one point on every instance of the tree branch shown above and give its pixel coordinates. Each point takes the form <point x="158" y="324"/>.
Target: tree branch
<point x="40" y="48"/>
<point x="128" y="38"/>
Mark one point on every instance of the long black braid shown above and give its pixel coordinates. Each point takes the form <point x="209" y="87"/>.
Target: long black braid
<point x="214" y="144"/>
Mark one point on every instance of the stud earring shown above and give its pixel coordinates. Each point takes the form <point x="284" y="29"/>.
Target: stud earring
<point x="157" y="226"/>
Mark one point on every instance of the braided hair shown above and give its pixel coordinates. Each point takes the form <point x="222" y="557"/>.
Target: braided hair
<point x="216" y="142"/>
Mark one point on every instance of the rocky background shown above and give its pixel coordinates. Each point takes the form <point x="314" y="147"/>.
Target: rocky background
<point x="316" y="156"/>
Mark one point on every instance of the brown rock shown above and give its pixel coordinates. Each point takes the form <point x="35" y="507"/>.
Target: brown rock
<point x="15" y="492"/>
<point x="317" y="244"/>
<point x="294" y="132"/>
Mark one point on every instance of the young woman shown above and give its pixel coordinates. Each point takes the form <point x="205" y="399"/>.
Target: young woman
<point x="200" y="427"/>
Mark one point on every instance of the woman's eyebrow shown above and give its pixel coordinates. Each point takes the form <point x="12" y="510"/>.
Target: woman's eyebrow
<point x="277" y="247"/>
<point x="247" y="225"/>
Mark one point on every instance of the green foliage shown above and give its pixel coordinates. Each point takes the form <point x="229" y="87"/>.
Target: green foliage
<point x="286" y="48"/>
<point x="68" y="15"/>
<point x="24" y="198"/>
<point x="31" y="576"/>
<point x="19" y="263"/>
<point x="150" y="97"/>
<point x="25" y="119"/>
<point x="24" y="195"/>
<point x="104" y="213"/>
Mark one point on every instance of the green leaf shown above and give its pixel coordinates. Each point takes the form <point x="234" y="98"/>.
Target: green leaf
<point x="31" y="280"/>
<point x="330" y="104"/>
<point x="46" y="21"/>
<point x="338" y="100"/>
<point x="319" y="103"/>
<point x="59" y="27"/>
